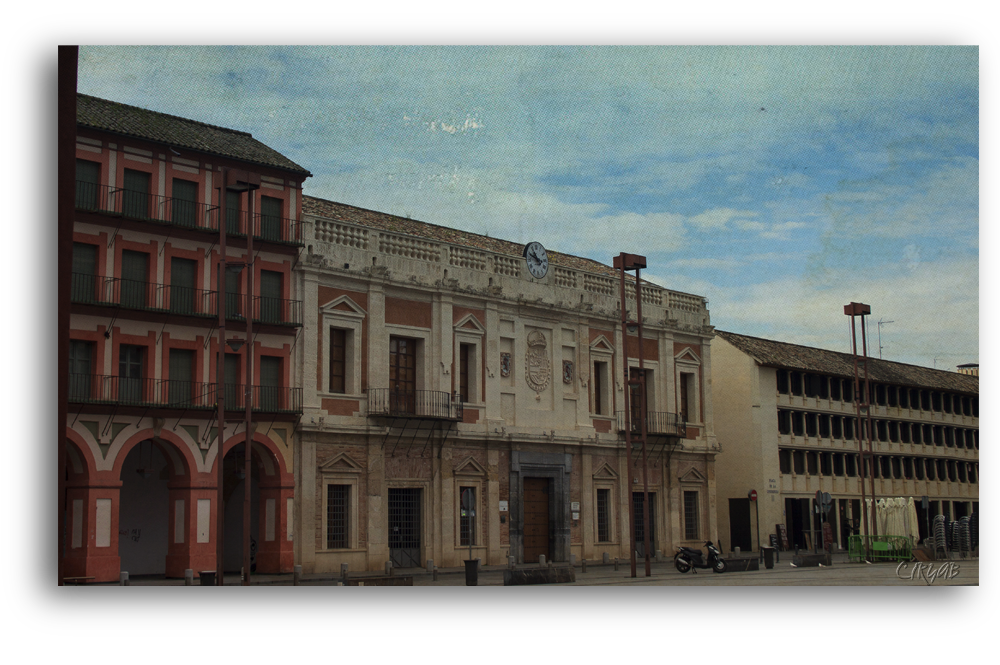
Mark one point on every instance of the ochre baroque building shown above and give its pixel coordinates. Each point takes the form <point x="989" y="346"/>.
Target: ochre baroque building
<point x="454" y="403"/>
<point x="141" y="433"/>
<point x="787" y="422"/>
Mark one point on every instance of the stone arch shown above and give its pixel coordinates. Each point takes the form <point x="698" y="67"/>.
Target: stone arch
<point x="79" y="455"/>
<point x="178" y="454"/>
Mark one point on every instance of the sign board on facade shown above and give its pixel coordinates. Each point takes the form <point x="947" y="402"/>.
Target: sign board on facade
<point x="503" y="506"/>
<point x="574" y="506"/>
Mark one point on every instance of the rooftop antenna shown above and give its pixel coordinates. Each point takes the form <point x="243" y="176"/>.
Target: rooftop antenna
<point x="880" y="324"/>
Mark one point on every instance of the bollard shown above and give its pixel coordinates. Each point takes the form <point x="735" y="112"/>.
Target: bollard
<point x="572" y="560"/>
<point x="510" y="562"/>
<point x="343" y="570"/>
<point x="584" y="564"/>
<point x="430" y="565"/>
<point x="340" y="584"/>
<point x="388" y="568"/>
<point x="736" y="552"/>
<point x="606" y="559"/>
<point x="123" y="579"/>
<point x="616" y="564"/>
<point x="188" y="577"/>
<point x="659" y="556"/>
<point x="435" y="573"/>
<point x="541" y="559"/>
<point x="296" y="575"/>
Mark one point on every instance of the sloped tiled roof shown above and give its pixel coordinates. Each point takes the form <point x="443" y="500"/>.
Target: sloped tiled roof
<point x="792" y="356"/>
<point x="179" y="132"/>
<point x="386" y="222"/>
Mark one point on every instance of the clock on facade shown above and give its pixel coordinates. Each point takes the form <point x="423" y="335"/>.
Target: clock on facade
<point x="537" y="259"/>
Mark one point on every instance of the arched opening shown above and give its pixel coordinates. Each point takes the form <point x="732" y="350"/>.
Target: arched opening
<point x="143" y="514"/>
<point x="234" y="492"/>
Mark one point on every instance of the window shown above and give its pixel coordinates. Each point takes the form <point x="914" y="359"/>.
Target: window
<point x="270" y="383"/>
<point x="851" y="462"/>
<point x="784" y="461"/>
<point x="601" y="406"/>
<point x="88" y="180"/>
<point x="80" y="358"/>
<point x="181" y="373"/>
<point x="796" y="381"/>
<point x="270" y="218"/>
<point x="838" y="464"/>
<point x="837" y="427"/>
<point x="463" y="371"/>
<point x="233" y="213"/>
<point x="234" y="303"/>
<point x="338" y="360"/>
<point x="467" y="516"/>
<point x="232" y="394"/>
<point x="603" y="515"/>
<point x="270" y="297"/>
<point x="130" y="359"/>
<point x="134" y="279"/>
<point x="799" y="461"/>
<point x="182" y="285"/>
<point x="685" y="396"/>
<point x="691" y="528"/>
<point x="135" y="199"/>
<point x="784" y="422"/>
<point x="782" y="381"/>
<point x="835" y="393"/>
<point x="337" y="516"/>
<point x="402" y="374"/>
<point x="811" y="463"/>
<point x="184" y="203"/>
<point x="84" y="280"/>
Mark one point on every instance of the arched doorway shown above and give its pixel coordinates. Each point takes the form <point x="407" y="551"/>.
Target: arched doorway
<point x="234" y="489"/>
<point x="143" y="514"/>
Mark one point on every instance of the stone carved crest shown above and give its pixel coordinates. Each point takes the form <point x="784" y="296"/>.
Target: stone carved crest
<point x="539" y="369"/>
<point x="504" y="364"/>
<point x="567" y="371"/>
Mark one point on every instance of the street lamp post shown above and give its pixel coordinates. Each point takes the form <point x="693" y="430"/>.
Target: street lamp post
<point x="234" y="180"/>
<point x="625" y="262"/>
<point x="861" y="404"/>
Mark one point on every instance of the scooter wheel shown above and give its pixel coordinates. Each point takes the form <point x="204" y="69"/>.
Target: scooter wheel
<point x="719" y="567"/>
<point x="681" y="565"/>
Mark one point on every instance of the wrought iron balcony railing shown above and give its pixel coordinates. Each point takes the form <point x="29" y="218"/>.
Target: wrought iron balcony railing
<point x="148" y="296"/>
<point x="179" y="394"/>
<point x="658" y="423"/>
<point x="183" y="213"/>
<point x="431" y="404"/>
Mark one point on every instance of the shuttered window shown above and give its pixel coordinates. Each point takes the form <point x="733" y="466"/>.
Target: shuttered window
<point x="182" y="282"/>
<point x="84" y="279"/>
<point x="270" y="296"/>
<point x="183" y="204"/>
<point x="135" y="271"/>
<point x="270" y="382"/>
<point x="181" y="375"/>
<point x="80" y="355"/>
<point x="270" y="218"/>
<point x="338" y="360"/>
<point x="135" y="201"/>
<point x="88" y="180"/>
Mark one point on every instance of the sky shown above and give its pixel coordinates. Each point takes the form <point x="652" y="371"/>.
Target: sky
<point x="780" y="183"/>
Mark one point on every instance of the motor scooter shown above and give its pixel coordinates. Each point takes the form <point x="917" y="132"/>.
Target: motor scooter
<point x="688" y="558"/>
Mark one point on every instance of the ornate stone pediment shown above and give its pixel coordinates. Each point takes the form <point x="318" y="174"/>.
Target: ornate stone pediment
<point x="342" y="463"/>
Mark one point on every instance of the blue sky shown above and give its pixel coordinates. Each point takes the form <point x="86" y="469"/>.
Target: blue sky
<point x="779" y="182"/>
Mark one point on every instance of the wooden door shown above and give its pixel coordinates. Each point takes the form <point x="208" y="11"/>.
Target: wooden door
<point x="402" y="375"/>
<point x="536" y="519"/>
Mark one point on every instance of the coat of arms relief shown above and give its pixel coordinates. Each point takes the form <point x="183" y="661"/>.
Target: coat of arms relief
<point x="539" y="369"/>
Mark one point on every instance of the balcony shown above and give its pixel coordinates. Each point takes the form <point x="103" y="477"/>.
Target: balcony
<point x="420" y="404"/>
<point x="183" y="213"/>
<point x="658" y="423"/>
<point x="180" y="300"/>
<point x="96" y="389"/>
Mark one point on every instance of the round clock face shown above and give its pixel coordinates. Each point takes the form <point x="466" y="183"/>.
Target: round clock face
<point x="537" y="259"/>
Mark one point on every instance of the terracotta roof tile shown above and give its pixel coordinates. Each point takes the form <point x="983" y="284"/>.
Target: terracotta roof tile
<point x="141" y="123"/>
<point x="793" y="356"/>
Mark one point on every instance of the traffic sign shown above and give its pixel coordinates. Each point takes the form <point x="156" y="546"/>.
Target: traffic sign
<point x="753" y="495"/>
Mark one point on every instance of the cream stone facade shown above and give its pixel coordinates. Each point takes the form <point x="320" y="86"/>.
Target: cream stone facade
<point x="785" y="419"/>
<point x="435" y="367"/>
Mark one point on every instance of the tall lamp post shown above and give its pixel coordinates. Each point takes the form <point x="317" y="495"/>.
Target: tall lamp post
<point x="238" y="181"/>
<point x="862" y="405"/>
<point x="625" y="262"/>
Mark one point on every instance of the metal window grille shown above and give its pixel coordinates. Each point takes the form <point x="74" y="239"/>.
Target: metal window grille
<point x="336" y="516"/>
<point x="691" y="529"/>
<point x="467" y="516"/>
<point x="603" y="515"/>
<point x="404" y="526"/>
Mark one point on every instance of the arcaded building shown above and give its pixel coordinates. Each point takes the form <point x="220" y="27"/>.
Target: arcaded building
<point x="785" y="417"/>
<point x="142" y="430"/>
<point x="463" y="394"/>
